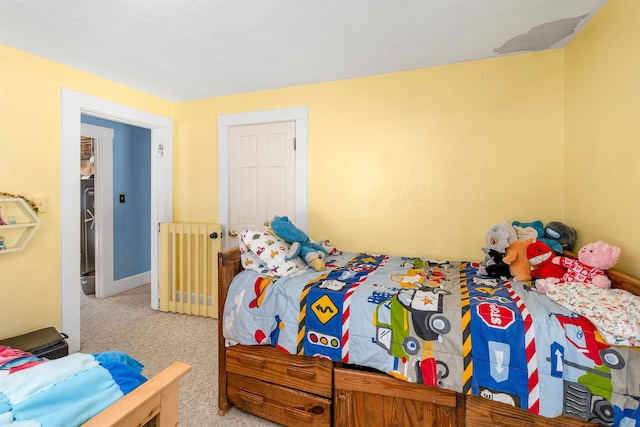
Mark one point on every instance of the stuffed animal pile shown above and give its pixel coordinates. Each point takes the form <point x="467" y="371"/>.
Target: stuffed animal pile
<point x="531" y="250"/>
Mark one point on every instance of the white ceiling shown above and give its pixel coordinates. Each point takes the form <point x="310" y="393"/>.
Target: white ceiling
<point x="182" y="50"/>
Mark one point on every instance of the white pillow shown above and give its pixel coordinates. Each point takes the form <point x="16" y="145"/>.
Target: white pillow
<point x="265" y="253"/>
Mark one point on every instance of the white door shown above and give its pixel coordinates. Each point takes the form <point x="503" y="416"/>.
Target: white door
<point x="299" y="115"/>
<point x="261" y="175"/>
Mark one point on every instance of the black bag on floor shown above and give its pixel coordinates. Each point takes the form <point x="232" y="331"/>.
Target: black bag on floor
<point x="47" y="342"/>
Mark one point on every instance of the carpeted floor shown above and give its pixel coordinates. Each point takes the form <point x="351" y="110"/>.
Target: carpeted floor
<point x="126" y="322"/>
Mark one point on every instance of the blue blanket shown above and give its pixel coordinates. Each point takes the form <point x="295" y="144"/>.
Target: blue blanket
<point x="442" y="324"/>
<point x="65" y="392"/>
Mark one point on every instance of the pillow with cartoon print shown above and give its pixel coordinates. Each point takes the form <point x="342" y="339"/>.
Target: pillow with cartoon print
<point x="265" y="253"/>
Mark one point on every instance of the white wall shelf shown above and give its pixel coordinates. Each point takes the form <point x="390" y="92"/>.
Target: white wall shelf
<point x="16" y="236"/>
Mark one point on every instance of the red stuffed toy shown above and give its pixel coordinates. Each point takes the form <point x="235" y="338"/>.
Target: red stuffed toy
<point x="540" y="256"/>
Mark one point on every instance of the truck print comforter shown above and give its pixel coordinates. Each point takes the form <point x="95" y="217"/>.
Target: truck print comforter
<point x="440" y="323"/>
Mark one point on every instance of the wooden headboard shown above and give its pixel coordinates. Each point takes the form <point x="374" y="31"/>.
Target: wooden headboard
<point x="624" y="281"/>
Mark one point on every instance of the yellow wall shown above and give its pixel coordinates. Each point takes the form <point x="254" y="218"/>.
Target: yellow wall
<point x="413" y="163"/>
<point x="602" y="161"/>
<point x="30" y="165"/>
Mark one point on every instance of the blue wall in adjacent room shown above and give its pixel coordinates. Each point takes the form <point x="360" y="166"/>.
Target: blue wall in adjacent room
<point x="131" y="177"/>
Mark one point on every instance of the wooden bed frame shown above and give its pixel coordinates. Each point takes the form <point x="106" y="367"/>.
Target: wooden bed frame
<point x="301" y="391"/>
<point x="152" y="404"/>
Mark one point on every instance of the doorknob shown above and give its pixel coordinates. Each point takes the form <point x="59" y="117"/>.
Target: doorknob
<point x="233" y="233"/>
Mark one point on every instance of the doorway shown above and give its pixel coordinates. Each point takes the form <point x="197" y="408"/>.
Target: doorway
<point x="73" y="105"/>
<point x="299" y="115"/>
<point x="122" y="222"/>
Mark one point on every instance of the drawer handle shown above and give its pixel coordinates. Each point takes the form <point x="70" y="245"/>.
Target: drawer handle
<point x="303" y="415"/>
<point x="305" y="374"/>
<point x="252" y="398"/>
<point x="252" y="361"/>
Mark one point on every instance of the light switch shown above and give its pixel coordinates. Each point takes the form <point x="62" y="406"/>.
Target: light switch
<point x="122" y="198"/>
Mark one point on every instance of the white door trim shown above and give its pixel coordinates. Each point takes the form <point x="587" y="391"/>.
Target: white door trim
<point x="298" y="114"/>
<point x="73" y="105"/>
<point x="103" y="209"/>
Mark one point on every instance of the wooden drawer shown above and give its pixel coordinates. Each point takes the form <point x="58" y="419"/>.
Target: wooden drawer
<point x="481" y="412"/>
<point x="364" y="399"/>
<point x="279" y="404"/>
<point x="266" y="363"/>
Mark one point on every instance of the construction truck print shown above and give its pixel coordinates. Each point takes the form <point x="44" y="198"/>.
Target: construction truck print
<point x="593" y="362"/>
<point x="405" y="324"/>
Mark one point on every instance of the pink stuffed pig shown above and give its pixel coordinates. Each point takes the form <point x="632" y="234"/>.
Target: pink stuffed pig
<point x="593" y="259"/>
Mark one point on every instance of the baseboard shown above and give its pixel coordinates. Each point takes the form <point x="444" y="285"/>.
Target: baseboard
<point x="131" y="282"/>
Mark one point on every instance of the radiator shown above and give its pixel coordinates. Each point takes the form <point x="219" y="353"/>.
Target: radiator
<point x="189" y="268"/>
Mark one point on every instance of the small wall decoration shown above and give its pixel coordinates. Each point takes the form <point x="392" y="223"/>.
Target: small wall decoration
<point x="33" y="205"/>
<point x="20" y="221"/>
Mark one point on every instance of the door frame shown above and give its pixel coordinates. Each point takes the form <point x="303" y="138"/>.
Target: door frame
<point x="103" y="209"/>
<point x="73" y="105"/>
<point x="298" y="114"/>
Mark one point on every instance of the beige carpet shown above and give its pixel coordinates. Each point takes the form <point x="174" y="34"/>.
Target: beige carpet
<point x="126" y="322"/>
